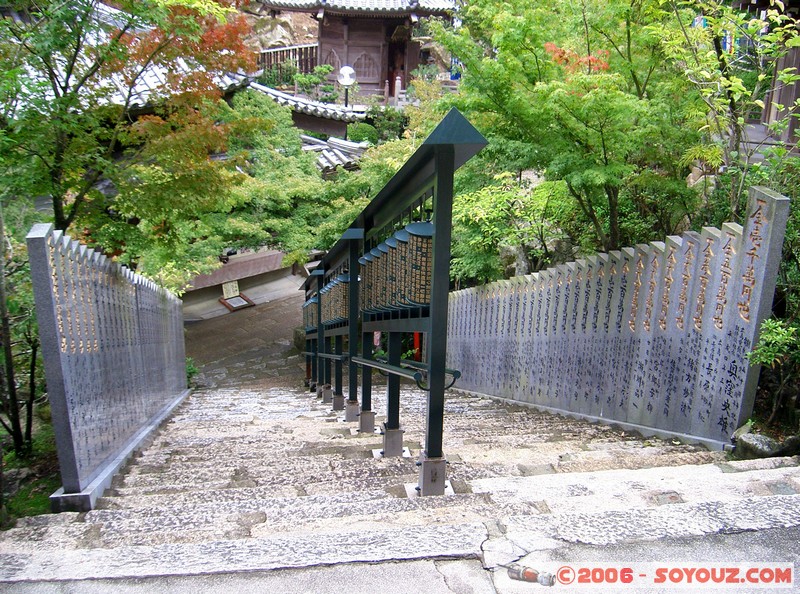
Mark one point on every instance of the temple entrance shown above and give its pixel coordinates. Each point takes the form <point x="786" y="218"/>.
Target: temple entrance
<point x="397" y="66"/>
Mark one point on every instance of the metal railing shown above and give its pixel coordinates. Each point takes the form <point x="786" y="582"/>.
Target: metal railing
<point x="389" y="273"/>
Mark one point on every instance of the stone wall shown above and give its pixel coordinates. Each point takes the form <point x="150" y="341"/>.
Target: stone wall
<point x="652" y="338"/>
<point x="113" y="351"/>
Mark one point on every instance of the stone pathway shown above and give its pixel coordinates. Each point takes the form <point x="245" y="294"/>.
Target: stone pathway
<point x="254" y="473"/>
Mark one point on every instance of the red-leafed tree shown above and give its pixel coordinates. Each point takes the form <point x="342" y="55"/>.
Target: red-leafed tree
<point x="77" y="74"/>
<point x="97" y="99"/>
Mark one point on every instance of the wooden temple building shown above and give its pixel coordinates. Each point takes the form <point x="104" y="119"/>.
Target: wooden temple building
<point x="372" y="36"/>
<point x="781" y="97"/>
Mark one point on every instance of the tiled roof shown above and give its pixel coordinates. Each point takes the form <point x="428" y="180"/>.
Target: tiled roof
<point x="328" y="111"/>
<point x="153" y="80"/>
<point x="150" y="84"/>
<point x="241" y="266"/>
<point x="365" y="6"/>
<point x="335" y="152"/>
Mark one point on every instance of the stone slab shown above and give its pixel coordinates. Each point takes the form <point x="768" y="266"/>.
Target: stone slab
<point x="413" y="491"/>
<point x="279" y="552"/>
<point x="398" y="577"/>
<point x="378" y="454"/>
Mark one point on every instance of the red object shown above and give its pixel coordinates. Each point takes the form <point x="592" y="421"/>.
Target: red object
<point x="417" y="346"/>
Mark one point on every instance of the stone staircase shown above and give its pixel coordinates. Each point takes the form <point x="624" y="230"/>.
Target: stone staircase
<point x="253" y="473"/>
<point x="243" y="479"/>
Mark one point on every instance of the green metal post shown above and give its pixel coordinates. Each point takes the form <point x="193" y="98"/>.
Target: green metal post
<point x="338" y="365"/>
<point x="320" y="330"/>
<point x="352" y="315"/>
<point x="393" y="383"/>
<point x="326" y="363"/>
<point x="366" y="372"/>
<point x="440" y="272"/>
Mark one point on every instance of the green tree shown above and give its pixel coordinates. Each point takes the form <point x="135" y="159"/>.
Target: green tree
<point x="729" y="56"/>
<point x="581" y="89"/>
<point x="316" y="85"/>
<point x="72" y="75"/>
<point x="505" y="215"/>
<point x="70" y="132"/>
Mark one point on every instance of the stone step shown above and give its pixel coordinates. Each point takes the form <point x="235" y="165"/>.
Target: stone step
<point x="284" y="486"/>
<point x="332" y="473"/>
<point x="548" y="535"/>
<point x="349" y="465"/>
<point x="274" y="516"/>
<point x="236" y="514"/>
<point x="553" y="494"/>
<point x="373" y="541"/>
<point x="667" y="521"/>
<point x="230" y="496"/>
<point x="621" y="490"/>
<point x="370" y="542"/>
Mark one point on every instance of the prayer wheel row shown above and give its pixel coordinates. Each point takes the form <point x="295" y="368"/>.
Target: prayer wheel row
<point x="310" y="314"/>
<point x="397" y="273"/>
<point x="336" y="300"/>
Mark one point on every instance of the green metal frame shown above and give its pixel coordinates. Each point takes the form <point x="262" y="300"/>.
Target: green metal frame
<point x="428" y="172"/>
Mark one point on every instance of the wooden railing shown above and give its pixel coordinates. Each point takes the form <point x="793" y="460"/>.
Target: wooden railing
<point x="301" y="57"/>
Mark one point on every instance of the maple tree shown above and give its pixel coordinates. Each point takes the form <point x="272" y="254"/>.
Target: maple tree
<point x="578" y="90"/>
<point x="94" y="97"/>
<point x="77" y="74"/>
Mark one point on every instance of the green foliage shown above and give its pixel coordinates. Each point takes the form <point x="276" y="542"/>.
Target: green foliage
<point x="279" y="75"/>
<point x="20" y="356"/>
<point x="191" y="370"/>
<point x="361" y="131"/>
<point x="173" y="216"/>
<point x="778" y="348"/>
<point x="316" y="84"/>
<point x="33" y="498"/>
<point x="425" y="73"/>
<point x="584" y="98"/>
<point x="654" y="205"/>
<point x="387" y="121"/>
<point x="63" y="122"/>
<point x="731" y="82"/>
<point x="43" y="448"/>
<point x="506" y="215"/>
<point x="778" y="344"/>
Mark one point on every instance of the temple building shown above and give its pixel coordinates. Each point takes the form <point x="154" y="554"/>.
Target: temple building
<point x="373" y="36"/>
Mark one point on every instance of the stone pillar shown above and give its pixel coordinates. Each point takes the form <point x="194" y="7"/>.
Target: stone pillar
<point x="338" y="402"/>
<point x="432" y="473"/>
<point x="351" y="411"/>
<point x="392" y="442"/>
<point x="366" y="421"/>
<point x="750" y="294"/>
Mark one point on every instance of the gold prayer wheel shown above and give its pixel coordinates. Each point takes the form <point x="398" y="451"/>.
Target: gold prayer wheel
<point x="378" y="279"/>
<point x="420" y="256"/>
<point x="391" y="272"/>
<point x="324" y="295"/>
<point x="384" y="294"/>
<point x="311" y="311"/>
<point x="401" y="264"/>
<point x="343" y="300"/>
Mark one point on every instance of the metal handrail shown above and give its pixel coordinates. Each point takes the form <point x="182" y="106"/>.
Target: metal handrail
<point x="341" y="357"/>
<point x="420" y="365"/>
<point x="420" y="375"/>
<point x="393" y="369"/>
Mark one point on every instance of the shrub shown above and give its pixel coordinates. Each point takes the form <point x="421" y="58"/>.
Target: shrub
<point x="361" y="131"/>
